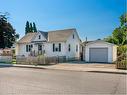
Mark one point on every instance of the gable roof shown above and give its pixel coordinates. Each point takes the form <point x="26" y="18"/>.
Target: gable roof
<point x="27" y="38"/>
<point x="45" y="34"/>
<point x="51" y="36"/>
<point x="59" y="35"/>
<point x="85" y="42"/>
<point x="100" y="41"/>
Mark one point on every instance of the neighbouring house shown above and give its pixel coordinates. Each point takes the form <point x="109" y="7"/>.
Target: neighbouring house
<point x="99" y="51"/>
<point x="52" y="43"/>
<point x="6" y="52"/>
<point x="5" y="55"/>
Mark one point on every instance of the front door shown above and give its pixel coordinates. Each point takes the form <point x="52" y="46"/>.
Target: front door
<point x="39" y="49"/>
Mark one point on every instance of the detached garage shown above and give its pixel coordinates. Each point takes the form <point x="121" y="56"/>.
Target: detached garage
<point x="100" y="51"/>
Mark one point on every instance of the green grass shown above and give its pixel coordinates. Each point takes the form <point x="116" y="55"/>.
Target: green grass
<point x="13" y="61"/>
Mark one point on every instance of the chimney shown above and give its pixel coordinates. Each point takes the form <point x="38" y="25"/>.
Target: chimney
<point x="86" y="39"/>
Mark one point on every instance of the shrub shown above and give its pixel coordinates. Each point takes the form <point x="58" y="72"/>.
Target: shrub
<point x="122" y="57"/>
<point x="121" y="49"/>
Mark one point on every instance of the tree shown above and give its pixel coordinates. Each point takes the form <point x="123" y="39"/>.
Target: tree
<point x="119" y="34"/>
<point x="30" y="28"/>
<point x="34" y="27"/>
<point x="27" y="28"/>
<point x="8" y="35"/>
<point x="111" y="39"/>
<point x="123" y="19"/>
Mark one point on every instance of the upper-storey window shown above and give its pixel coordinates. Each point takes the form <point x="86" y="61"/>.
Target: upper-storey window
<point x="39" y="37"/>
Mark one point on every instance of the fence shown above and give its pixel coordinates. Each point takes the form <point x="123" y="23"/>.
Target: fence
<point x="122" y="65"/>
<point x="72" y="59"/>
<point x="121" y="62"/>
<point x="6" y="59"/>
<point x="35" y="60"/>
<point x="40" y="60"/>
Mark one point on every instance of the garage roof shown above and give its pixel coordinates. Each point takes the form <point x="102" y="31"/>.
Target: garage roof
<point x="100" y="41"/>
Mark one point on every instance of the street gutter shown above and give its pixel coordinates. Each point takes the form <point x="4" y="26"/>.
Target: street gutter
<point x="95" y="70"/>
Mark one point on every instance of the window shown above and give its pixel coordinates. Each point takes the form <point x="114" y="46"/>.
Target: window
<point x="53" y="47"/>
<point x="39" y="37"/>
<point x="59" y="47"/>
<point x="27" y="50"/>
<point x="56" y="47"/>
<point x="73" y="36"/>
<point x="69" y="47"/>
<point x="76" y="48"/>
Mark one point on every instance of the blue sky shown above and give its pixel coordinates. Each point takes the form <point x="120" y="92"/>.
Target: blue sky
<point x="92" y="18"/>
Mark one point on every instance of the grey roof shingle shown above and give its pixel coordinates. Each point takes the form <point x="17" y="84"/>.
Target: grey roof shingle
<point x="51" y="36"/>
<point x="59" y="35"/>
<point x="27" y="38"/>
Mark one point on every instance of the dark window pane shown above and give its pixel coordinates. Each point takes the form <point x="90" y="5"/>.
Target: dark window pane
<point x="73" y="36"/>
<point x="59" y="47"/>
<point x="69" y="47"/>
<point x="76" y="48"/>
<point x="53" y="47"/>
<point x="26" y="48"/>
<point x="39" y="36"/>
<point x="56" y="49"/>
<point x="29" y="48"/>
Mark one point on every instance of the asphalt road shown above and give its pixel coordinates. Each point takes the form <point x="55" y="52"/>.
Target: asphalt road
<point x="28" y="81"/>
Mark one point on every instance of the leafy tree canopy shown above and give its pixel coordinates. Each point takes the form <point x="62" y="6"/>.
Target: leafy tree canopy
<point x="8" y="35"/>
<point x="119" y="34"/>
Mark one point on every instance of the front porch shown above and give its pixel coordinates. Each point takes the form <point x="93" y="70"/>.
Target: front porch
<point x="37" y="49"/>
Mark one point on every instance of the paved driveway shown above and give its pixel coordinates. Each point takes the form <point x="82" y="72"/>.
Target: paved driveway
<point x="26" y="81"/>
<point x="92" y="65"/>
<point x="89" y="65"/>
<point x="85" y="67"/>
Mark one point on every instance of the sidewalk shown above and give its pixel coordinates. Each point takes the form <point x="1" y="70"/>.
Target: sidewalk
<point x="104" y="68"/>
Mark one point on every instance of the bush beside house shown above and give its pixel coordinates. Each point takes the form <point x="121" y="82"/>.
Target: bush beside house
<point x="122" y="57"/>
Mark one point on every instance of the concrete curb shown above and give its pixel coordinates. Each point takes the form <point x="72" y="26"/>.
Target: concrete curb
<point x="22" y="66"/>
<point x="95" y="70"/>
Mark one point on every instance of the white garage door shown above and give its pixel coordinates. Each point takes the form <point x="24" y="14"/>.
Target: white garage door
<point x="98" y="54"/>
